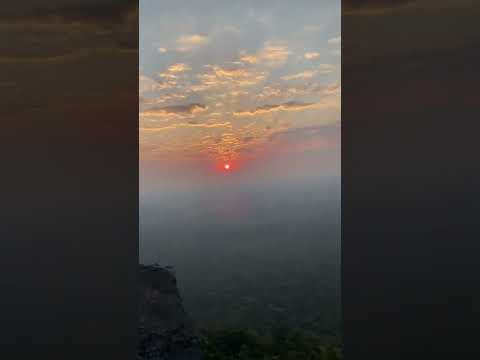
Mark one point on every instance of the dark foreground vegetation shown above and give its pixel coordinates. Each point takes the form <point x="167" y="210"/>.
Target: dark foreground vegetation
<point x="275" y="345"/>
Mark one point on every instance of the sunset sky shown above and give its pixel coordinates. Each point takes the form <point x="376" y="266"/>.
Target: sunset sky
<point x="249" y="84"/>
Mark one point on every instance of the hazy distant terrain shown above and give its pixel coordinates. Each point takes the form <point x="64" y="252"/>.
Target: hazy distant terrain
<point x="254" y="256"/>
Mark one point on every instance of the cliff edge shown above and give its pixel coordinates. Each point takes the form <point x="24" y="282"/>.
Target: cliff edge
<point x="166" y="332"/>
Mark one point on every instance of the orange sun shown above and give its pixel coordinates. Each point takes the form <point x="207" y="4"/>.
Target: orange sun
<point x="226" y="166"/>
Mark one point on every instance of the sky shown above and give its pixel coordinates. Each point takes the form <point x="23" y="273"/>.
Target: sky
<point x="254" y="85"/>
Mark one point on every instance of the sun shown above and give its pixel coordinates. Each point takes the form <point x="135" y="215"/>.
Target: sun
<point x="226" y="166"/>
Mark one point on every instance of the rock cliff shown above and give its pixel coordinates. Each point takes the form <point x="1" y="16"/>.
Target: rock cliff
<point x="166" y="332"/>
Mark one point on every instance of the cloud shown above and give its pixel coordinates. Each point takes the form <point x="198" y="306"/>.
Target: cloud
<point x="270" y="54"/>
<point x="168" y="75"/>
<point x="335" y="41"/>
<point x="306" y="138"/>
<point x="189" y="42"/>
<point x="172" y="75"/>
<point x="274" y="55"/>
<point x="229" y="73"/>
<point x="288" y="106"/>
<point x="307" y="74"/>
<point x="188" y="109"/>
<point x="311" y="55"/>
<point x="185" y="125"/>
<point x="180" y="67"/>
<point x="332" y="89"/>
<point x="147" y="84"/>
<point x="306" y="131"/>
<point x="192" y="40"/>
<point x="220" y="76"/>
<point x="326" y="68"/>
<point x="164" y="98"/>
<point x="295" y="90"/>
<point x="250" y="59"/>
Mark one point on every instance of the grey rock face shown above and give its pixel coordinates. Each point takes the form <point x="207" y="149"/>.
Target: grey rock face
<point x="165" y="330"/>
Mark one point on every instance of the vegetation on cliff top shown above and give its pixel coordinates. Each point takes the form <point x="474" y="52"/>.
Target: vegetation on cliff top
<point x="275" y="345"/>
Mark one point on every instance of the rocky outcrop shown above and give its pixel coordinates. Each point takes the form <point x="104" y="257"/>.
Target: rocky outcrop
<point x="165" y="330"/>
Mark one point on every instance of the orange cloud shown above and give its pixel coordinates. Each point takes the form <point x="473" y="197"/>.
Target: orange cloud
<point x="311" y="55"/>
<point x="270" y="55"/>
<point x="189" y="42"/>
<point x="180" y="67"/>
<point x="250" y="59"/>
<point x="288" y="106"/>
<point x="185" y="125"/>
<point x="307" y="74"/>
<point x="188" y="109"/>
<point x="274" y="55"/>
<point x="219" y="76"/>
